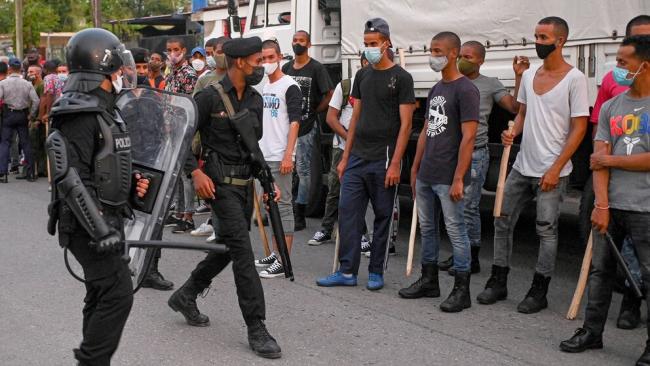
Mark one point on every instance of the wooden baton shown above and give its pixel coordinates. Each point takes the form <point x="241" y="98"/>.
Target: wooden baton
<point x="582" y="280"/>
<point x="337" y="246"/>
<point x="503" y="171"/>
<point x="414" y="225"/>
<point x="260" y="224"/>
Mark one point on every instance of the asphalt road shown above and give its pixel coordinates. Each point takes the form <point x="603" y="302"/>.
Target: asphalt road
<point x="40" y="307"/>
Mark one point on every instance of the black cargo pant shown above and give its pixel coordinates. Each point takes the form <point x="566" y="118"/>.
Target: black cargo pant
<point x="109" y="297"/>
<point x="233" y="209"/>
<point x="602" y="275"/>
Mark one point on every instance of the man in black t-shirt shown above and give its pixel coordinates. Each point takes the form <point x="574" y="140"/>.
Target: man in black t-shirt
<point x="441" y="171"/>
<point x="370" y="166"/>
<point x="317" y="90"/>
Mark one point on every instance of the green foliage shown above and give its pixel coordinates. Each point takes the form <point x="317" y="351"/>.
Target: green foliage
<point x="73" y="15"/>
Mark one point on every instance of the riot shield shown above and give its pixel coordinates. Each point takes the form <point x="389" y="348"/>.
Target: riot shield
<point x="161" y="126"/>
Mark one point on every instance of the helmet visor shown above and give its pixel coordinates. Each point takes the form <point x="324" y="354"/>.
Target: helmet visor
<point x="129" y="74"/>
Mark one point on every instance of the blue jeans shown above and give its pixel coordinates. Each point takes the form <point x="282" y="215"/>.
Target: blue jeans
<point x="363" y="180"/>
<point x="518" y="192"/>
<point x="480" y="165"/>
<point x="431" y="200"/>
<point x="629" y="254"/>
<point x="303" y="165"/>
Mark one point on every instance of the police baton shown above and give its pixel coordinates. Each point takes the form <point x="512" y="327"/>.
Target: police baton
<point x="621" y="262"/>
<point x="159" y="244"/>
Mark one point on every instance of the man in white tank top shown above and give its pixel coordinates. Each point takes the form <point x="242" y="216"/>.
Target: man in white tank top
<point x="552" y="120"/>
<point x="282" y="112"/>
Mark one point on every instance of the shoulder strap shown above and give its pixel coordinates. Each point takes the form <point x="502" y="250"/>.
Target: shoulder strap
<point x="225" y="99"/>
<point x="345" y="88"/>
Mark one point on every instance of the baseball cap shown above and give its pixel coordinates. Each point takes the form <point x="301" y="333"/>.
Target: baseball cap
<point x="377" y="25"/>
<point x="14" y="62"/>
<point x="200" y="50"/>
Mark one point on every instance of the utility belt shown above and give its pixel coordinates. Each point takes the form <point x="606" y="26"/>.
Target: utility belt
<point x="237" y="175"/>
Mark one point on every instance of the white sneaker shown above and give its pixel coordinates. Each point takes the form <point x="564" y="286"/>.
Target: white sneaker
<point x="275" y="270"/>
<point x="212" y="238"/>
<point x="265" y="262"/>
<point x="203" y="230"/>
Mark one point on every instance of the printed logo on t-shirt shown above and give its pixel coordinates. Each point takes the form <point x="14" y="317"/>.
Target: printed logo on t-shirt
<point x="437" y="123"/>
<point x="630" y="124"/>
<point x="272" y="102"/>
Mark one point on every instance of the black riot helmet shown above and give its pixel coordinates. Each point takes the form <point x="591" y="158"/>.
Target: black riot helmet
<point x="98" y="51"/>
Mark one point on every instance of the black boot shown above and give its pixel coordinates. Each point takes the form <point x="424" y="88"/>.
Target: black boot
<point x="299" y="217"/>
<point x="644" y="360"/>
<point x="425" y="286"/>
<point x="155" y="280"/>
<point x="475" y="265"/>
<point x="496" y="287"/>
<point x="459" y="298"/>
<point x="261" y="342"/>
<point x="446" y="264"/>
<point x="4" y="178"/>
<point x="184" y="301"/>
<point x="535" y="299"/>
<point x="582" y="340"/>
<point x="630" y="314"/>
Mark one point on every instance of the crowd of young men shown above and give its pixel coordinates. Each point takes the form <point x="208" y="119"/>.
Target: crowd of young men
<point x="372" y="126"/>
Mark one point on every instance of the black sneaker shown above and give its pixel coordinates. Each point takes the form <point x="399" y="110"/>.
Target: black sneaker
<point x="172" y="221"/>
<point x="275" y="270"/>
<point x="184" y="226"/>
<point x="265" y="262"/>
<point x="365" y="244"/>
<point x="321" y="237"/>
<point x="203" y="209"/>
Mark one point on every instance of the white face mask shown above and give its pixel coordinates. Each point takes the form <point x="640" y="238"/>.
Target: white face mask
<point x="118" y="84"/>
<point x="198" y="64"/>
<point x="211" y="62"/>
<point x="270" y="68"/>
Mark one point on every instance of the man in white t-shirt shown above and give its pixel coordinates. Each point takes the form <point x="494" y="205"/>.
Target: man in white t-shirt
<point x="338" y="119"/>
<point x="552" y="120"/>
<point x="282" y="111"/>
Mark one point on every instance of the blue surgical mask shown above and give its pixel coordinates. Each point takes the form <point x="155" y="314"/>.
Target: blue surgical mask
<point x="373" y="54"/>
<point x="620" y="76"/>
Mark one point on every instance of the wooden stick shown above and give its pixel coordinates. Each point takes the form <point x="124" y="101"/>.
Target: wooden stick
<point x="47" y="157"/>
<point x="414" y="225"/>
<point x="503" y="171"/>
<point x="582" y="281"/>
<point x="337" y="246"/>
<point x="260" y="224"/>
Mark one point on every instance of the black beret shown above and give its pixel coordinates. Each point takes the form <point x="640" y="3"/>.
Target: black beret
<point x="242" y="47"/>
<point x="140" y="55"/>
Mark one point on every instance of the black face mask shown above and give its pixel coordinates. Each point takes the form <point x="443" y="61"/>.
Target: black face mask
<point x="299" y="49"/>
<point x="256" y="77"/>
<point x="543" y="50"/>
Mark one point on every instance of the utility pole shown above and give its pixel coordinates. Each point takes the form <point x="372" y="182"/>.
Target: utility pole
<point x="19" y="29"/>
<point x="97" y="13"/>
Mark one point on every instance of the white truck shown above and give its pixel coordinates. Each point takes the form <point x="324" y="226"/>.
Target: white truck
<point x="506" y="28"/>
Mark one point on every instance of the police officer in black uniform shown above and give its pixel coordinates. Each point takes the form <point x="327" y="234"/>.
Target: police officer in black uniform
<point x="90" y="162"/>
<point x="228" y="184"/>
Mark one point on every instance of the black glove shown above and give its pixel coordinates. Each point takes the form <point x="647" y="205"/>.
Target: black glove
<point x="111" y="243"/>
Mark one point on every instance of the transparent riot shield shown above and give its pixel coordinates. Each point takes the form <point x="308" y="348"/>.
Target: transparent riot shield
<point x="161" y="126"/>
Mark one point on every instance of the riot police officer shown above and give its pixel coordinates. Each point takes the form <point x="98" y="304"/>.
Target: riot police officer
<point x="228" y="185"/>
<point x="89" y="151"/>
